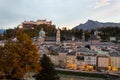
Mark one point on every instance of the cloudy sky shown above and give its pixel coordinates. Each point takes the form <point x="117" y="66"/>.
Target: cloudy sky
<point x="68" y="13"/>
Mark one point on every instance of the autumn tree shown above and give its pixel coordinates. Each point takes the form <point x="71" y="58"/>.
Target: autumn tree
<point x="48" y="71"/>
<point x="1" y="61"/>
<point x="20" y="57"/>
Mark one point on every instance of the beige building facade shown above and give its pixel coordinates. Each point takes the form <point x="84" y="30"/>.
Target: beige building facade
<point x="103" y="62"/>
<point x="115" y="62"/>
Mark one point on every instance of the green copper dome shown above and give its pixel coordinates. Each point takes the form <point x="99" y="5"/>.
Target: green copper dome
<point x="41" y="32"/>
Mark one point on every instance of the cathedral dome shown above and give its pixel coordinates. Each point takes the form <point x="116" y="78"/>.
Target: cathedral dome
<point x="41" y="33"/>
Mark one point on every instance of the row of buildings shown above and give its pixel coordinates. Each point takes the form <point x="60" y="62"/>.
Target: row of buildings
<point x="87" y="60"/>
<point x="71" y="54"/>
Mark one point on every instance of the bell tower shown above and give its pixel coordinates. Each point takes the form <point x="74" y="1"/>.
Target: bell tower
<point x="58" y="36"/>
<point x="83" y="36"/>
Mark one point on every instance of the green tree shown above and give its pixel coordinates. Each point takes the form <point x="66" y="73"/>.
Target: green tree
<point x="10" y="33"/>
<point x="48" y="71"/>
<point x="87" y="35"/>
<point x="81" y="33"/>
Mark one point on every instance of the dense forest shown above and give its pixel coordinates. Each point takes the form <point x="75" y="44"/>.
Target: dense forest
<point x="11" y="33"/>
<point x="105" y="32"/>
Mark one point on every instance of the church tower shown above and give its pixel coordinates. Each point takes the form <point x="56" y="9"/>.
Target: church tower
<point x="58" y="36"/>
<point x="96" y="32"/>
<point x="83" y="36"/>
<point x="41" y="37"/>
<point x="41" y="33"/>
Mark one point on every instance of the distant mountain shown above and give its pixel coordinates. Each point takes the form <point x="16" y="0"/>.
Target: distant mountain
<point x="2" y="31"/>
<point x="90" y="24"/>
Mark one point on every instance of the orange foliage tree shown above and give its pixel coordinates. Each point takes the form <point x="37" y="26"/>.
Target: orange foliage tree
<point x="19" y="57"/>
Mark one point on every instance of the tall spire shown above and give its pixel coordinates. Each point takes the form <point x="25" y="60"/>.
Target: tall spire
<point x="83" y="36"/>
<point x="96" y="33"/>
<point x="58" y="36"/>
<point x="41" y="29"/>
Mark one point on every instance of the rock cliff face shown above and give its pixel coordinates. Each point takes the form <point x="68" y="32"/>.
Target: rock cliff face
<point x="90" y="24"/>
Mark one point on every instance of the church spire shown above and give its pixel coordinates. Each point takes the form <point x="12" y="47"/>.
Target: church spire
<point x="58" y="36"/>
<point x="83" y="36"/>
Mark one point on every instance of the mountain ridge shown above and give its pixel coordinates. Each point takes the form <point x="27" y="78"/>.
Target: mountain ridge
<point x="2" y="31"/>
<point x="90" y="24"/>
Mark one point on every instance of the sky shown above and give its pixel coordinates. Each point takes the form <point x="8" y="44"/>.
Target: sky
<point x="63" y="13"/>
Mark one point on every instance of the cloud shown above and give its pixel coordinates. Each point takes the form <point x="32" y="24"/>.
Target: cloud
<point x="108" y="14"/>
<point x="61" y="12"/>
<point x="101" y="3"/>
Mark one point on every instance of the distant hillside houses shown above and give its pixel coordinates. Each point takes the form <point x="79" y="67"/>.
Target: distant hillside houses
<point x="32" y="24"/>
